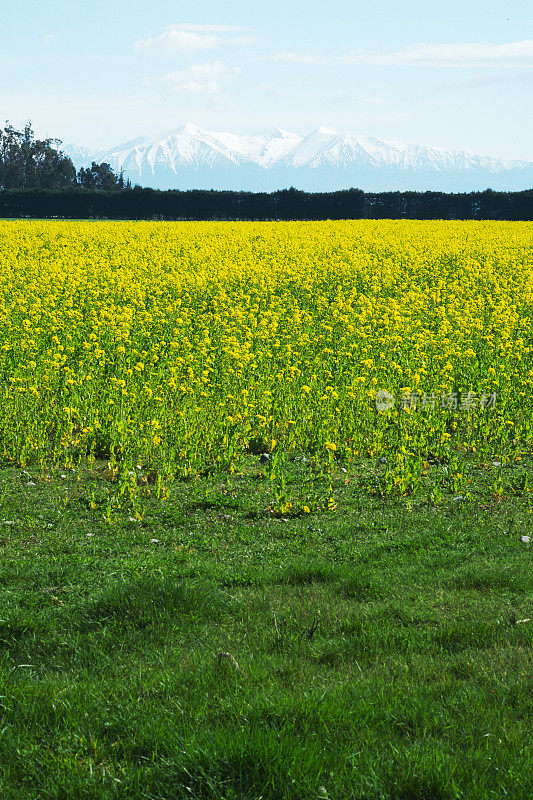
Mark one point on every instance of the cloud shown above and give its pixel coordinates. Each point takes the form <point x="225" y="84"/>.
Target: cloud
<point x="512" y="54"/>
<point x="301" y="58"/>
<point x="185" y="26"/>
<point x="173" y="42"/>
<point x="187" y="39"/>
<point x="485" y="80"/>
<point x="197" y="79"/>
<point x="50" y="37"/>
<point x="344" y="98"/>
<point x="270" y="88"/>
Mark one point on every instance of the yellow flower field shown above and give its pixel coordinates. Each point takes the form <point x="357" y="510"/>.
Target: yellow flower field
<point x="183" y="345"/>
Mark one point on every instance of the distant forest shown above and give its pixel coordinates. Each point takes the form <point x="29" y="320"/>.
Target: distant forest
<point x="37" y="180"/>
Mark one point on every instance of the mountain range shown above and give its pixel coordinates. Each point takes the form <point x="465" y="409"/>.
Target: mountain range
<point x="324" y="160"/>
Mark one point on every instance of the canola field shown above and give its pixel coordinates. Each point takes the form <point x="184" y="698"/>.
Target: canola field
<point x="185" y="346"/>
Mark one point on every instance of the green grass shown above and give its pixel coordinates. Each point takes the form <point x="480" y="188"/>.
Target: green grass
<point x="378" y="651"/>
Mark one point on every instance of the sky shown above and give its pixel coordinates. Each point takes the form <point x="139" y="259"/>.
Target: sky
<point x="457" y="74"/>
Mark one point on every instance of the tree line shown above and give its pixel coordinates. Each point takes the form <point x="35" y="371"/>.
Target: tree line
<point x="37" y="180"/>
<point x="287" y="204"/>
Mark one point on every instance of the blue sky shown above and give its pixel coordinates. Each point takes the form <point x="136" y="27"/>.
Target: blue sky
<point x="98" y="73"/>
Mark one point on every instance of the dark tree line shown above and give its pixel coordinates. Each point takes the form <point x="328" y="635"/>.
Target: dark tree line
<point x="30" y="163"/>
<point x="137" y="203"/>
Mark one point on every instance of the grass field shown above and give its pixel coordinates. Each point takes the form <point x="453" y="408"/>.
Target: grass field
<point x="373" y="653"/>
<point x="225" y="572"/>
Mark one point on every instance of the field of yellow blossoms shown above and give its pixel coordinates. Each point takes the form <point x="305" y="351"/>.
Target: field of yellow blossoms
<point x="183" y="346"/>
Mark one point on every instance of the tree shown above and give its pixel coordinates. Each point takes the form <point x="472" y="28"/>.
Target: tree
<point x="100" y="177"/>
<point x="30" y="163"/>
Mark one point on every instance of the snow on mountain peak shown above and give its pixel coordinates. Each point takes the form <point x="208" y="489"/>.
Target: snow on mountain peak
<point x="187" y="129"/>
<point x="277" y="133"/>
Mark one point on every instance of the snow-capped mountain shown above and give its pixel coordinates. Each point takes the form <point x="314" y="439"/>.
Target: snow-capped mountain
<point x="80" y="155"/>
<point x="324" y="160"/>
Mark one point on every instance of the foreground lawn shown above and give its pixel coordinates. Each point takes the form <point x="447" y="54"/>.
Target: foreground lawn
<point x="211" y="650"/>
